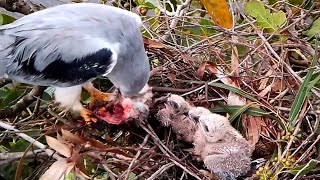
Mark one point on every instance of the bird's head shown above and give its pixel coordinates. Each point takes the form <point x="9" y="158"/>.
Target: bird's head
<point x="213" y="126"/>
<point x="132" y="70"/>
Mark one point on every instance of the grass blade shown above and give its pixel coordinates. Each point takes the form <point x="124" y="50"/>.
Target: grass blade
<point x="238" y="113"/>
<point x="303" y="91"/>
<point x="250" y="111"/>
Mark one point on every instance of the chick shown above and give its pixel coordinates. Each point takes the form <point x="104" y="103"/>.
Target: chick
<point x="182" y="125"/>
<point x="196" y="112"/>
<point x="223" y="149"/>
<point x="178" y="104"/>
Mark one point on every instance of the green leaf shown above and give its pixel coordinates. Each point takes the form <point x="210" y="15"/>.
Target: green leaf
<point x="8" y="96"/>
<point x="5" y="19"/>
<point x="304" y="169"/>
<point x="314" y="82"/>
<point x="239" y="112"/>
<point x="70" y="176"/>
<point x="296" y="2"/>
<point x="19" y="146"/>
<point x="235" y="90"/>
<point x="303" y="91"/>
<point x="132" y="176"/>
<point x="152" y="4"/>
<point x="250" y="111"/>
<point x="315" y="29"/>
<point x="269" y="21"/>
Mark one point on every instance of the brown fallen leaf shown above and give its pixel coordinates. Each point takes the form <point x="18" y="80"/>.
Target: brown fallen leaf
<point x="58" y="146"/>
<point x="153" y="44"/>
<point x="252" y="125"/>
<point x="58" y="170"/>
<point x="67" y="135"/>
<point x="264" y="81"/>
<point x="266" y="90"/>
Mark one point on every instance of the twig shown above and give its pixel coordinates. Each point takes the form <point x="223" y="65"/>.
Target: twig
<point x="136" y="156"/>
<point x="4" y="81"/>
<point x="165" y="150"/>
<point x="7" y="158"/>
<point x="181" y="10"/>
<point x="22" y="103"/>
<point x="31" y="140"/>
<point x="160" y="171"/>
<point x="175" y="90"/>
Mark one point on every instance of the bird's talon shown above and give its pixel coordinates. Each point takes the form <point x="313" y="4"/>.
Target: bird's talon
<point x="88" y="116"/>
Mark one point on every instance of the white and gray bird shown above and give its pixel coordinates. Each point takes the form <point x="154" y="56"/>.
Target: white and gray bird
<point x="68" y="46"/>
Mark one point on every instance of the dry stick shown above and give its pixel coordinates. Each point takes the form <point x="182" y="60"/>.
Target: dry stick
<point x="136" y="156"/>
<point x="165" y="150"/>
<point x="245" y="59"/>
<point x="112" y="175"/>
<point x="309" y="149"/>
<point x="309" y="137"/>
<point x="161" y="170"/>
<point x="216" y="35"/>
<point x="299" y="19"/>
<point x="4" y="81"/>
<point x="181" y="9"/>
<point x="296" y="130"/>
<point x="6" y="158"/>
<point x="22" y="103"/>
<point x="285" y="64"/>
<point x="170" y="89"/>
<point x="31" y="140"/>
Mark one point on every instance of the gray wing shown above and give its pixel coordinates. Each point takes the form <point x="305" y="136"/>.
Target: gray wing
<point x="65" y="46"/>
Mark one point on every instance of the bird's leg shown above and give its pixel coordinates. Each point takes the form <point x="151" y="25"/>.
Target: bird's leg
<point x="88" y="116"/>
<point x="97" y="95"/>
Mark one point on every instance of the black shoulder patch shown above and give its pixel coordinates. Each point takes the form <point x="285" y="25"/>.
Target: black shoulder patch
<point x="79" y="70"/>
<point x="59" y="71"/>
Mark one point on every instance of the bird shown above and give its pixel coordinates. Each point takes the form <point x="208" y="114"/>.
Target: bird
<point x="223" y="149"/>
<point x="68" y="46"/>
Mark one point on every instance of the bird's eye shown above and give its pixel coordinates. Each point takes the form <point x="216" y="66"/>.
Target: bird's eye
<point x="206" y="128"/>
<point x="174" y="105"/>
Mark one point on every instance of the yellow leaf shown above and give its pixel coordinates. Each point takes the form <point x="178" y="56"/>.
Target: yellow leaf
<point x="219" y="12"/>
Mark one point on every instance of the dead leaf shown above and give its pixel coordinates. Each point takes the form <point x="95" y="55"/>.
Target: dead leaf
<point x="235" y="57"/>
<point x="58" y="170"/>
<point x="264" y="81"/>
<point x="172" y="77"/>
<point x="235" y="100"/>
<point x="153" y="44"/>
<point x="278" y="85"/>
<point x="201" y="70"/>
<point x="58" y="146"/>
<point x="264" y="92"/>
<point x="252" y="125"/>
<point x="219" y="12"/>
<point x="67" y="135"/>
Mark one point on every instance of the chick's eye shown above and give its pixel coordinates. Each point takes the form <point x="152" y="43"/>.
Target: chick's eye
<point x="174" y="105"/>
<point x="206" y="128"/>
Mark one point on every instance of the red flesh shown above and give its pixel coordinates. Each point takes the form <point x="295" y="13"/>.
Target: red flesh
<point x="114" y="112"/>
